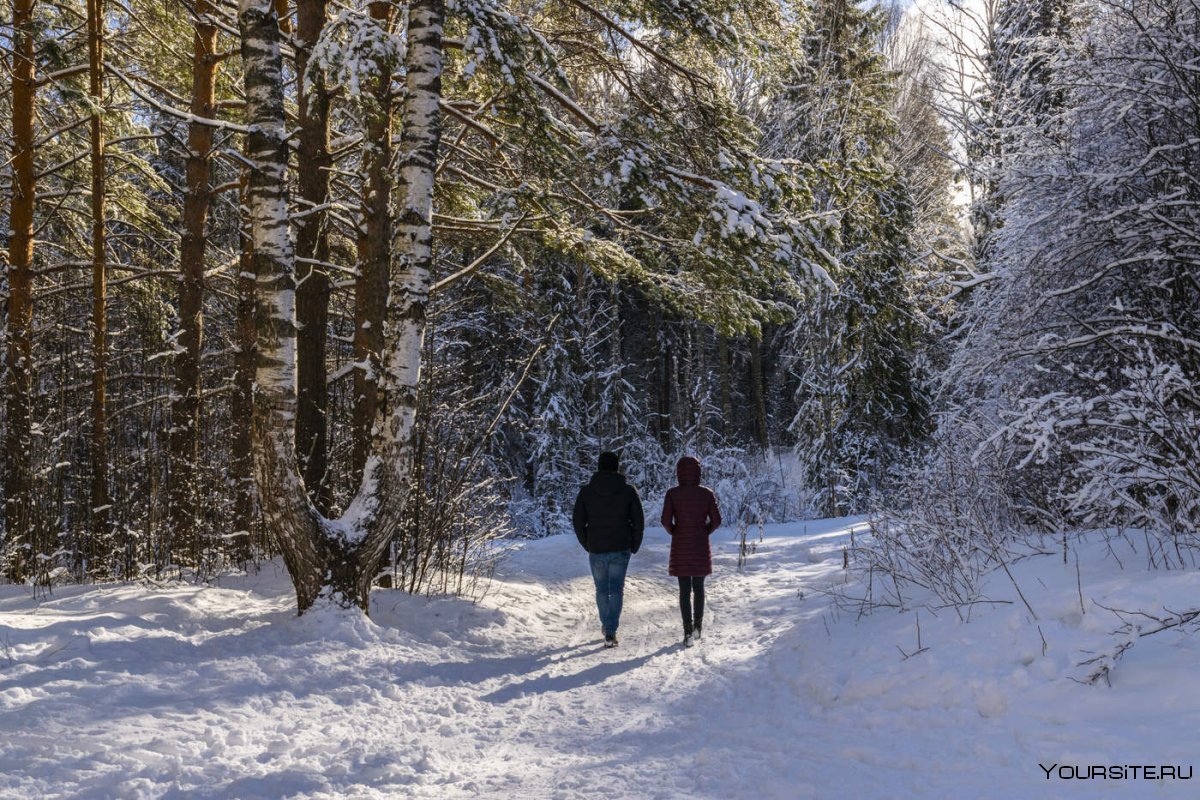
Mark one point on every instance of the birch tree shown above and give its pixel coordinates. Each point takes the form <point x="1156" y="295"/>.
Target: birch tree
<point x="338" y="558"/>
<point x="583" y="162"/>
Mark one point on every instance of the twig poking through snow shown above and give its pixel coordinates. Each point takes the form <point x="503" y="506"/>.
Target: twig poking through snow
<point x="1130" y="632"/>
<point x="1079" y="585"/>
<point x="920" y="648"/>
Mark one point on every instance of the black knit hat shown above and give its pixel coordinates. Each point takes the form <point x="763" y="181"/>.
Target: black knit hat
<point x="609" y="461"/>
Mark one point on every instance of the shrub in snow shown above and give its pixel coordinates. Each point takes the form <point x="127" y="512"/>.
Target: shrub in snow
<point x="953" y="519"/>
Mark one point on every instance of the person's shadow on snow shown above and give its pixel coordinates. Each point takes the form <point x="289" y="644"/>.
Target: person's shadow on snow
<point x="562" y="683"/>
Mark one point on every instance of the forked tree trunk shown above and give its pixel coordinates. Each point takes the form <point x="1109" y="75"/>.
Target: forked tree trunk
<point x="18" y="473"/>
<point x="185" y="403"/>
<point x="336" y="558"/>
<point x="287" y="511"/>
<point x="312" y="251"/>
<point x="100" y="544"/>
<point x="408" y="294"/>
<point x="374" y="247"/>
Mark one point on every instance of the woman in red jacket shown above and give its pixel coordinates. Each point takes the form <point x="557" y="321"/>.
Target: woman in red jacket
<point x="690" y="513"/>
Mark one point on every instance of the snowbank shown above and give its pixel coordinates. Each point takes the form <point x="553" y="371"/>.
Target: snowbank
<point x="141" y="691"/>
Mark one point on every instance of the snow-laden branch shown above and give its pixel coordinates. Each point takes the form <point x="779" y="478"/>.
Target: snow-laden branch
<point x="470" y="269"/>
<point x="175" y="112"/>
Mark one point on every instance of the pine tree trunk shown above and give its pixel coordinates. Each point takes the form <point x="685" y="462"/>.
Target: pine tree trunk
<point x="242" y="405"/>
<point x="374" y="249"/>
<point x="185" y="403"/>
<point x="727" y="426"/>
<point x="312" y="245"/>
<point x="757" y="394"/>
<point x="18" y="475"/>
<point x="99" y="543"/>
<point x="336" y="558"/>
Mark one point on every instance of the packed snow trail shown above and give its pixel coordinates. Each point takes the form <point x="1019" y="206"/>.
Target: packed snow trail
<point x="184" y="691"/>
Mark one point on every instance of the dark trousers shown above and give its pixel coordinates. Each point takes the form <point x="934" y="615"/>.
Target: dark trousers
<point x="688" y="588"/>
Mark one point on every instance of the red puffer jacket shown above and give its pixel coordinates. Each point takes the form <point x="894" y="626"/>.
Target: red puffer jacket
<point x="690" y="513"/>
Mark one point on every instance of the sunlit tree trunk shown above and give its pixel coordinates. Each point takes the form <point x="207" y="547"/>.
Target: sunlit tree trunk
<point x="312" y="252"/>
<point x="197" y="199"/>
<point x="374" y="252"/>
<point x="286" y="509"/>
<point x="408" y="295"/>
<point x="99" y="542"/>
<point x="18" y="478"/>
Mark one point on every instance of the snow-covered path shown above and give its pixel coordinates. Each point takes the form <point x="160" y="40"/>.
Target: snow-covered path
<point x="183" y="691"/>
<point x="560" y="716"/>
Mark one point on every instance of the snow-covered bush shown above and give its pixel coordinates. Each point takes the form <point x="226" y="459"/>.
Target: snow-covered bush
<point x="1132" y="450"/>
<point x="952" y="520"/>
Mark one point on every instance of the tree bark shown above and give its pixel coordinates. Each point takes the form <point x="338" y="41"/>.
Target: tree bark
<point x="197" y="199"/>
<point x="408" y="296"/>
<point x="286" y="509"/>
<point x="757" y="394"/>
<point x="18" y="476"/>
<point x="727" y="426"/>
<point x="285" y="21"/>
<point x="374" y="250"/>
<point x="336" y="559"/>
<point x="99" y="544"/>
<point x="242" y="404"/>
<point x="312" y="245"/>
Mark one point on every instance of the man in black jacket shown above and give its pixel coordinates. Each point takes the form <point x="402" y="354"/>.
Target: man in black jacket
<point x="608" y="523"/>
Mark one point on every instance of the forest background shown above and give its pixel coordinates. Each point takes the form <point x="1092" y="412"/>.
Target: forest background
<point x="370" y="284"/>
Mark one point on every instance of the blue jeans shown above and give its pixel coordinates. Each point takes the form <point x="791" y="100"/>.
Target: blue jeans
<point x="608" y="571"/>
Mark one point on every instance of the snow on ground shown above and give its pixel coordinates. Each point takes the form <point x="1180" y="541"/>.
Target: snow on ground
<point x="140" y="691"/>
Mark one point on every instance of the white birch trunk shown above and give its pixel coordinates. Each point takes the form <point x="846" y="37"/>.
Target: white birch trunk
<point x="386" y="478"/>
<point x="289" y="516"/>
<point x="337" y="558"/>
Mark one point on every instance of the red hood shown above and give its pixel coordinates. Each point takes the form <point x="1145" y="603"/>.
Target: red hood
<point x="687" y="470"/>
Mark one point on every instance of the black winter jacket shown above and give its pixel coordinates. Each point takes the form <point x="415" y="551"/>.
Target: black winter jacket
<point x="608" y="515"/>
